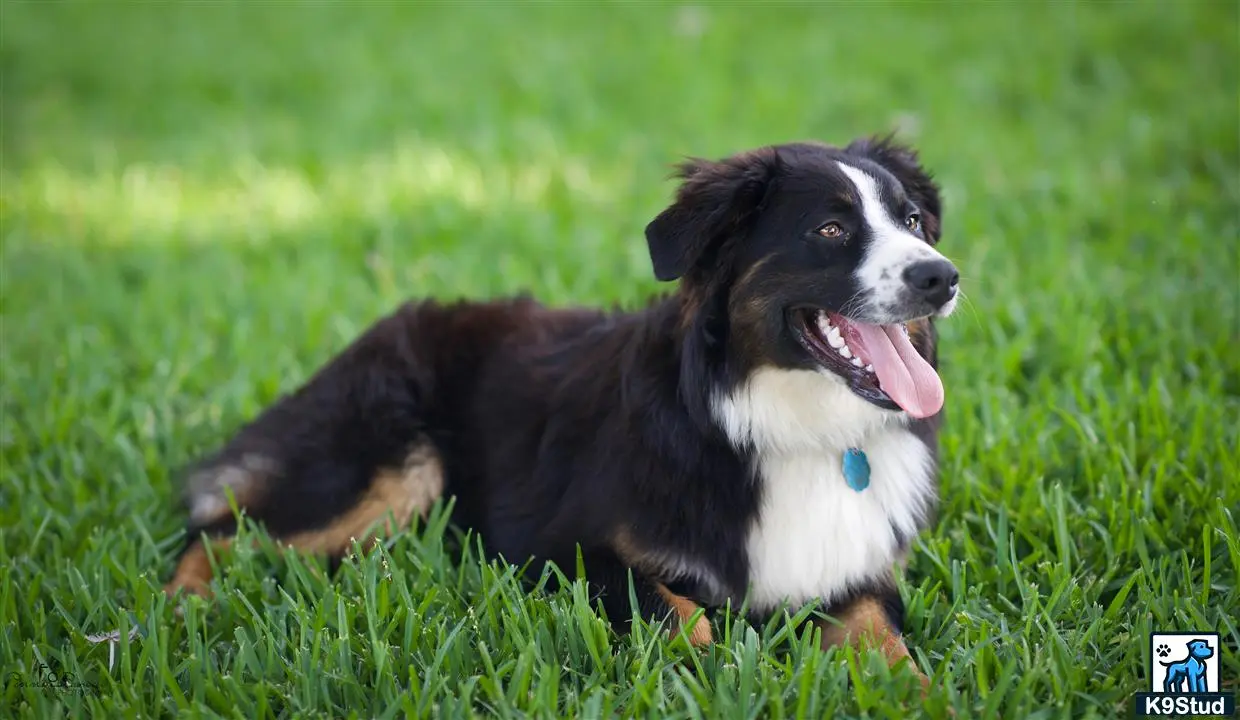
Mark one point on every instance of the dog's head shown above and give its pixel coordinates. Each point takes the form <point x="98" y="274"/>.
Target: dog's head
<point x="804" y="256"/>
<point x="1200" y="649"/>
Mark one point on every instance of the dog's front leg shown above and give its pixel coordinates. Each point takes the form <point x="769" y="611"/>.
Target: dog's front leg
<point x="608" y="579"/>
<point x="1197" y="680"/>
<point x="871" y="620"/>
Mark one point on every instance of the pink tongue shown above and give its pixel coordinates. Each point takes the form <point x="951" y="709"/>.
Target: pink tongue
<point x="903" y="374"/>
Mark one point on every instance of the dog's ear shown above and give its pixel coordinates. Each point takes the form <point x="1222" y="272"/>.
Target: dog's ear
<point x="901" y="161"/>
<point x="714" y="202"/>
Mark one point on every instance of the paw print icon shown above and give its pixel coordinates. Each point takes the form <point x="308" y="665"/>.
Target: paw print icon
<point x="1163" y="651"/>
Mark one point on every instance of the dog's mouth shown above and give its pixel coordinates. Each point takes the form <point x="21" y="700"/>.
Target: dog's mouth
<point x="878" y="362"/>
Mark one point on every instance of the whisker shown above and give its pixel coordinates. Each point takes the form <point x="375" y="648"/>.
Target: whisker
<point x="966" y="301"/>
<point x="850" y="305"/>
<point x="983" y="281"/>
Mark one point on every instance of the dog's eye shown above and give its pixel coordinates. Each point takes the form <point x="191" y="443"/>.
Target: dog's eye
<point x="831" y="230"/>
<point x="913" y="222"/>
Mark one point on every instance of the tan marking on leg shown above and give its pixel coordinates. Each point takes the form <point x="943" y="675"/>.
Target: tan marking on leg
<point x="631" y="555"/>
<point x="700" y="634"/>
<point x="393" y="497"/>
<point x="864" y="625"/>
<point x="193" y="573"/>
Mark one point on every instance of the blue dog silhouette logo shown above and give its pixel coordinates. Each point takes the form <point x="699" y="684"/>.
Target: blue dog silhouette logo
<point x="1191" y="672"/>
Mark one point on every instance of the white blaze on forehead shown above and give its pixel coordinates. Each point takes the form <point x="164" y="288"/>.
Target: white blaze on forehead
<point x="892" y="247"/>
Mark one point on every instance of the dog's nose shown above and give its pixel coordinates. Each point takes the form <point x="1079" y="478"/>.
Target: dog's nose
<point x="934" y="281"/>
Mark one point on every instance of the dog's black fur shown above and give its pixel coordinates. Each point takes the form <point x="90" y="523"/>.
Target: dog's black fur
<point x="559" y="428"/>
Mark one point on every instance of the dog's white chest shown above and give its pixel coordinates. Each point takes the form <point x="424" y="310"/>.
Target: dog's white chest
<point x="815" y="537"/>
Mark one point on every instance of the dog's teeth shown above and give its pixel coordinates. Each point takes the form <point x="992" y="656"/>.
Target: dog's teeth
<point x="856" y="361"/>
<point x="845" y="352"/>
<point x="834" y="339"/>
<point x="869" y="368"/>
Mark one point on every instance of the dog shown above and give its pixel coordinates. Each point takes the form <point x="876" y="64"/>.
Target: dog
<point x="1191" y="670"/>
<point x="765" y="432"/>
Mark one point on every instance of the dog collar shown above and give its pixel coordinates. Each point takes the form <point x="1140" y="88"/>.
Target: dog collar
<point x="856" y="469"/>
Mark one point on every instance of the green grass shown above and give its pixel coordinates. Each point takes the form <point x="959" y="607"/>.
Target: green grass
<point x="203" y="202"/>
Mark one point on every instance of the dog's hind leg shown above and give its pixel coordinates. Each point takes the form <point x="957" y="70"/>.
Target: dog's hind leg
<point x="394" y="496"/>
<point x="325" y="464"/>
<point x="388" y="505"/>
<point x="193" y="574"/>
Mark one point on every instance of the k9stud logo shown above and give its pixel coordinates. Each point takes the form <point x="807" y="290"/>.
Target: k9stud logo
<point x="1183" y="672"/>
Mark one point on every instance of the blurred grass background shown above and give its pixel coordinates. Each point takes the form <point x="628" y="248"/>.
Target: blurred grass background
<point x="201" y="202"/>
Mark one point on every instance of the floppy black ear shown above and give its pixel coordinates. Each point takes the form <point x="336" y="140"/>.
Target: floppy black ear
<point x="901" y="161"/>
<point x="713" y="203"/>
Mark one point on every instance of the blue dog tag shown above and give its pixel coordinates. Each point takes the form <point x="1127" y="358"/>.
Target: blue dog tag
<point x="856" y="469"/>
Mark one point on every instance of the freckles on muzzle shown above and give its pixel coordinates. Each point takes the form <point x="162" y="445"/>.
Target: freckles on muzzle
<point x="902" y="277"/>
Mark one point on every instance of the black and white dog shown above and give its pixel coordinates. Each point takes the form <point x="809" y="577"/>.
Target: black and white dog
<point x="768" y="431"/>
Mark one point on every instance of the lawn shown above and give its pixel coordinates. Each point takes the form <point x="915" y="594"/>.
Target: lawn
<point x="203" y="202"/>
